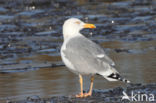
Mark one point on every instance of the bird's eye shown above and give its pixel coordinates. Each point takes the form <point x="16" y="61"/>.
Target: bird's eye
<point x="77" y="22"/>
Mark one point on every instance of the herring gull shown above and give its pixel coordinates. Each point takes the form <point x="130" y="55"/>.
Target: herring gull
<point x="84" y="57"/>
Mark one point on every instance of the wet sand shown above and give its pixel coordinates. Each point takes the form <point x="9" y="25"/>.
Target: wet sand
<point x="136" y="92"/>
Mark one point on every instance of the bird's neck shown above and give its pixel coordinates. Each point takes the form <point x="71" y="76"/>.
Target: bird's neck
<point x="71" y="35"/>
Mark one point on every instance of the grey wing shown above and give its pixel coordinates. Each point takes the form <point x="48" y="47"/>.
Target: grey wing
<point x="84" y="53"/>
<point x="103" y="57"/>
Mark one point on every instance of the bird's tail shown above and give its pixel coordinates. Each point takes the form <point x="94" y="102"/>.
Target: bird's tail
<point x="112" y="75"/>
<point x="116" y="77"/>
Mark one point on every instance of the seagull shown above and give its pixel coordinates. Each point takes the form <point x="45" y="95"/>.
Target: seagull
<point x="84" y="57"/>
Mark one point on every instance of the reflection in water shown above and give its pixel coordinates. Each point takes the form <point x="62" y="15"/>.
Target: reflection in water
<point x="137" y="67"/>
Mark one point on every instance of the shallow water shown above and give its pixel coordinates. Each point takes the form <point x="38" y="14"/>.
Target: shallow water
<point x="30" y="40"/>
<point x="137" y="67"/>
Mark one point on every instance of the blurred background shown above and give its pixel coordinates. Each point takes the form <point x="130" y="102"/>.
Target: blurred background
<point x="31" y="37"/>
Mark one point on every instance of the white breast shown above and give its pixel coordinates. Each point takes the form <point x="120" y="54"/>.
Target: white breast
<point x="64" y="58"/>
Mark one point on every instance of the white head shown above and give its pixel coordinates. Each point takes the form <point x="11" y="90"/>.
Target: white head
<point x="72" y="27"/>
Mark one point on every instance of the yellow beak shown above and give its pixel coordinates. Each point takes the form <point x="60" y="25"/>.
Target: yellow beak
<point x="89" y="26"/>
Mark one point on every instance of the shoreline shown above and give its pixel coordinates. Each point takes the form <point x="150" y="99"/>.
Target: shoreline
<point x="114" y="95"/>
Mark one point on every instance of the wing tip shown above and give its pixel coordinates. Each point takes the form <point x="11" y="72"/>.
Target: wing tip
<point x="117" y="77"/>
